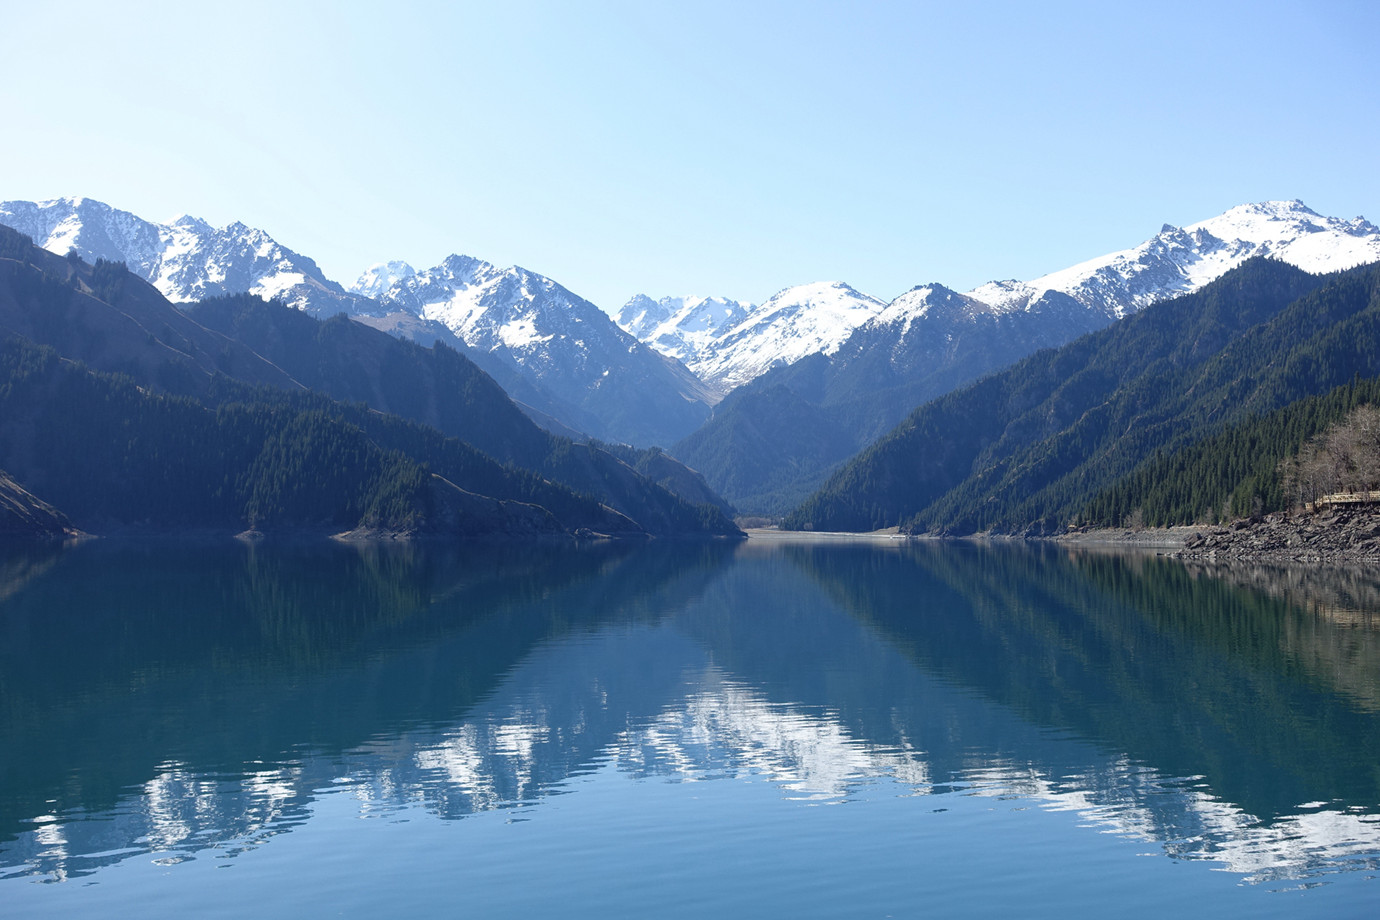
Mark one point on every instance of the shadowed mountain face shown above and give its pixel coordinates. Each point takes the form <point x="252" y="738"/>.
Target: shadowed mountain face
<point x="482" y="679"/>
<point x="557" y="351"/>
<point x="111" y="321"/>
<point x="1028" y="448"/>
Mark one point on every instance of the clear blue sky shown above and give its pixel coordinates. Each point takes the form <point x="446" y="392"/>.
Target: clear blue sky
<point x="701" y="147"/>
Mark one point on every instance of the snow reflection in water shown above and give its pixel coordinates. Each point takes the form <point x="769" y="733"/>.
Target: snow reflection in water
<point x="827" y="702"/>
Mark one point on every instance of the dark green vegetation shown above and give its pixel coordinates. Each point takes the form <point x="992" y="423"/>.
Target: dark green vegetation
<point x="669" y="473"/>
<point x="1241" y="471"/>
<point x="441" y="389"/>
<point x="1048" y="442"/>
<point x="113" y="455"/>
<point x="775" y="440"/>
<point x="124" y="411"/>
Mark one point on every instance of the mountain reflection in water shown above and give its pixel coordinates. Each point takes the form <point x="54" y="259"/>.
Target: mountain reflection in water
<point x="162" y="699"/>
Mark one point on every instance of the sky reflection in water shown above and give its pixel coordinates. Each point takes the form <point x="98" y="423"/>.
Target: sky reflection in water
<point x="182" y="704"/>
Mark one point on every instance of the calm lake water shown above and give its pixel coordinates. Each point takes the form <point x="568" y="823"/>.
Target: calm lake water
<point x="769" y="729"/>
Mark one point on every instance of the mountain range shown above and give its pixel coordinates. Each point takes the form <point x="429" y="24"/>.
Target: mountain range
<point x="1063" y="438"/>
<point x="776" y="439"/>
<point x="558" y="354"/>
<point x="765" y="400"/>
<point x="123" y="410"/>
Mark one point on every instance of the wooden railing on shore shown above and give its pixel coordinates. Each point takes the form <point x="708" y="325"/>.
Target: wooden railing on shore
<point x="1344" y="498"/>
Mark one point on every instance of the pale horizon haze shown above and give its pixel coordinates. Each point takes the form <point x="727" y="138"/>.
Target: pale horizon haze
<point x="724" y="149"/>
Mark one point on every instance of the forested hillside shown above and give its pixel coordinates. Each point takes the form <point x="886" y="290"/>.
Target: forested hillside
<point x="114" y="456"/>
<point x="1239" y="472"/>
<point x="166" y="421"/>
<point x="1027" y="449"/>
<point x="777" y="439"/>
<point x="442" y="389"/>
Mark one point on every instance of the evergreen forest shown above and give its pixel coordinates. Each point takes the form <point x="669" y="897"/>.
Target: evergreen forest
<point x="124" y="411"/>
<point x="1179" y="413"/>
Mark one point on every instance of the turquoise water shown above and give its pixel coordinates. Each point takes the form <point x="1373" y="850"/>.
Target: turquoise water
<point x="683" y="730"/>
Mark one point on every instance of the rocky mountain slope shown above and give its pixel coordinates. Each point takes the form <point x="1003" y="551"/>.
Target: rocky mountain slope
<point x="932" y="339"/>
<point x="244" y="350"/>
<point x="1030" y="448"/>
<point x="24" y="517"/>
<point x="570" y="359"/>
<point x="562" y="342"/>
<point x="728" y="347"/>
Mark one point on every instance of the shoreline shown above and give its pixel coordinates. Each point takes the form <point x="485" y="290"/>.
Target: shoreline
<point x="888" y="535"/>
<point x="1334" y="536"/>
<point x="1163" y="538"/>
<point x="1149" y="538"/>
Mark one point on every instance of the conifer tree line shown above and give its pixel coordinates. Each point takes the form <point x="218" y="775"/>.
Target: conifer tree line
<point x="122" y="410"/>
<point x="1239" y="472"/>
<point x="1178" y="414"/>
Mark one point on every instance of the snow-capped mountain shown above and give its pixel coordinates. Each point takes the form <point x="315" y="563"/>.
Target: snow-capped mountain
<point x="565" y="356"/>
<point x="819" y="318"/>
<point x="561" y="341"/>
<point x="186" y="259"/>
<point x="932" y="339"/>
<point x="1180" y="260"/>
<point x="578" y="366"/>
<point x="922" y="325"/>
<point x="729" y="343"/>
<point x="378" y="278"/>
<point x="799" y="321"/>
<point x="682" y="327"/>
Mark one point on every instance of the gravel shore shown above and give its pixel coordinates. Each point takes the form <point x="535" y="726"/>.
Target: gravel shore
<point x="1332" y="535"/>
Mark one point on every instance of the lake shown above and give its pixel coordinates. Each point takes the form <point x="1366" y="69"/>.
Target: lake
<point x="771" y="728"/>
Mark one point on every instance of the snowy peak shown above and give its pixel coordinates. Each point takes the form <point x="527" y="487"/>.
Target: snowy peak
<point x="682" y="327"/>
<point x="526" y="316"/>
<point x="379" y="277"/>
<point x="1293" y="233"/>
<point x="827" y="303"/>
<point x="641" y="315"/>
<point x="928" y="300"/>
<point x="90" y="228"/>
<point x="560" y="341"/>
<point x="817" y="318"/>
<point x="799" y="321"/>
<point x="186" y="259"/>
<point x="1180" y="260"/>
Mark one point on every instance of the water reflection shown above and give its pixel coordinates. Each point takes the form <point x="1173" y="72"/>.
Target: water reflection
<point x="167" y="700"/>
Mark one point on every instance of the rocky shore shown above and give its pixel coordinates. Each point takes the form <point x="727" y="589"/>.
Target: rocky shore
<point x="1330" y="535"/>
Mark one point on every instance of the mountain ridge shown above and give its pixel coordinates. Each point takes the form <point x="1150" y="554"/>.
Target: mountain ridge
<point x="1174" y="261"/>
<point x="1028" y="449"/>
<point x="575" y="371"/>
<point x="932" y="339"/>
<point x="577" y="365"/>
<point x="225" y="350"/>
